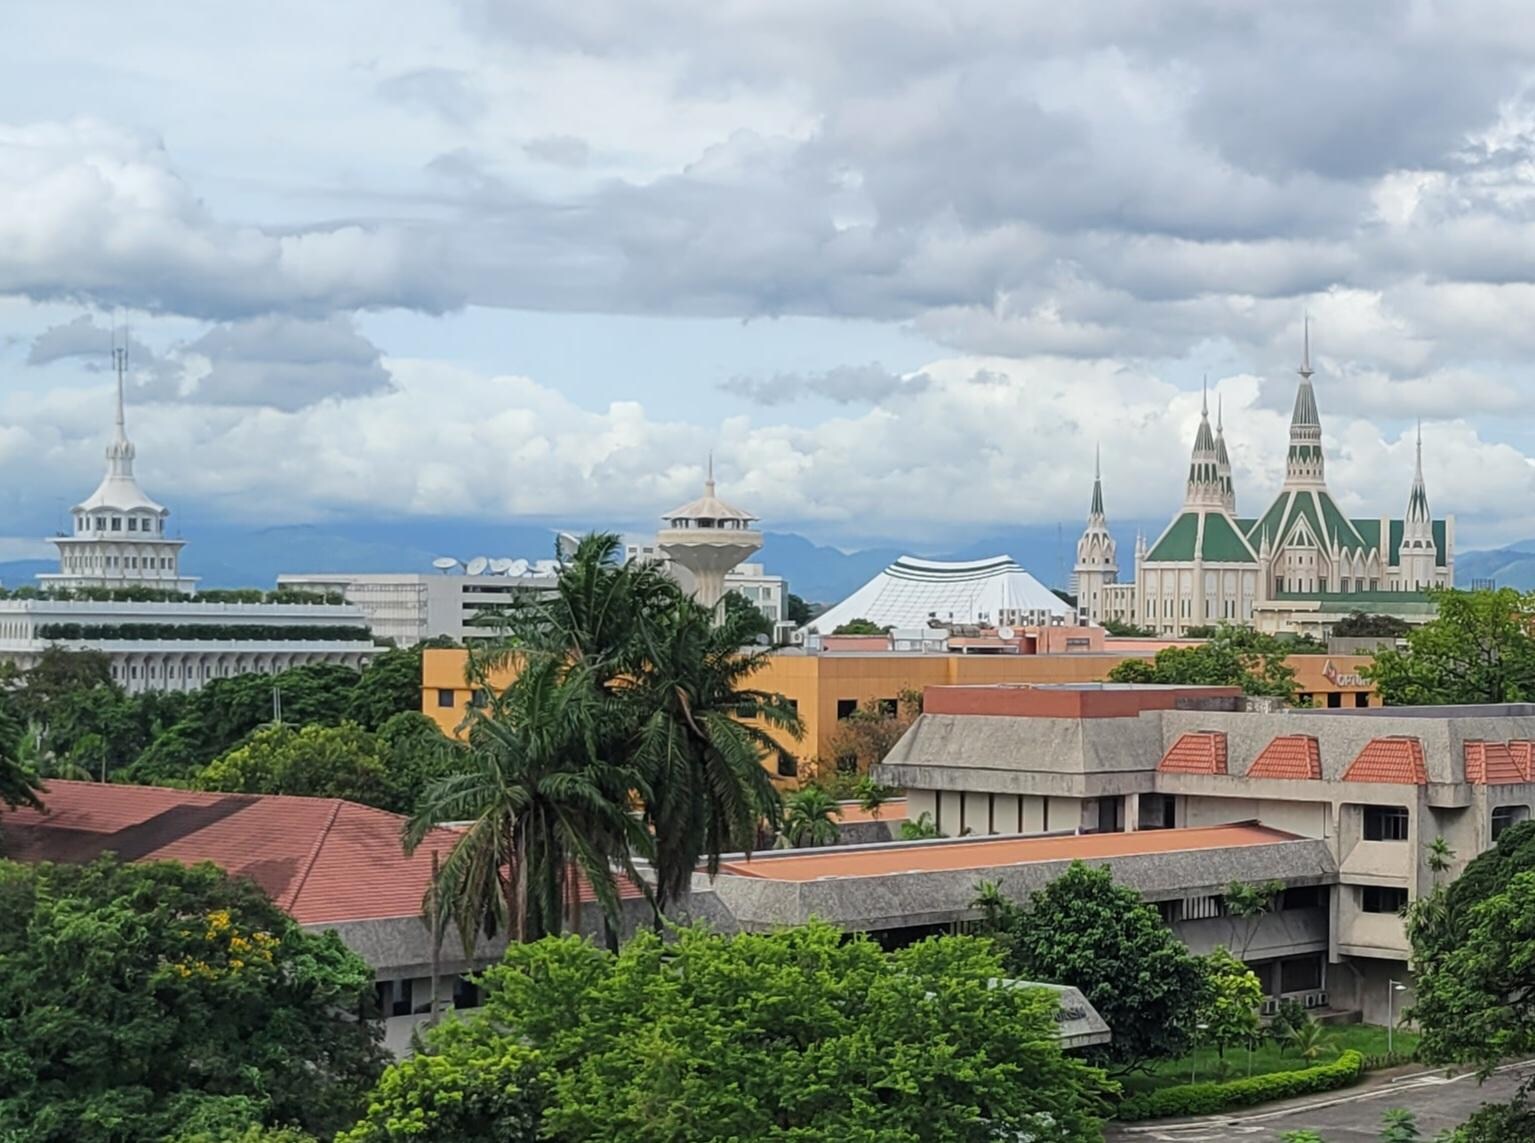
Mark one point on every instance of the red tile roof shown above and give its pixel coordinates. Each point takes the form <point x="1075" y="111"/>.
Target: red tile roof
<point x="987" y="853"/>
<point x="1197" y="752"/>
<point x="1288" y="756"/>
<point x="322" y="860"/>
<point x="1497" y="763"/>
<point x="1394" y="759"/>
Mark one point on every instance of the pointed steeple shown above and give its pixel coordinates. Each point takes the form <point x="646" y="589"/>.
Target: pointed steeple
<point x="709" y="480"/>
<point x="1204" y="487"/>
<point x="120" y="452"/>
<point x="1223" y="458"/>
<point x="1417" y="499"/>
<point x="1097" y="506"/>
<point x="1303" y="463"/>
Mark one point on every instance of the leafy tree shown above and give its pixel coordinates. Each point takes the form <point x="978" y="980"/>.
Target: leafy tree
<point x="796" y="1035"/>
<point x="1358" y="625"/>
<point x="18" y="785"/>
<point x="810" y="818"/>
<point x="1127" y="630"/>
<point x="1310" y="1039"/>
<point x="1398" y="1125"/>
<point x="1102" y="938"/>
<point x="798" y="611"/>
<point x="139" y="999"/>
<point x="922" y="829"/>
<point x="1475" y="987"/>
<point x="871" y="795"/>
<point x="311" y="761"/>
<point x="1232" y="996"/>
<point x="389" y="685"/>
<point x="1247" y="905"/>
<point x="540" y="807"/>
<point x="860" y="627"/>
<point x="746" y="617"/>
<point x="1232" y="657"/>
<point x="1479" y="649"/>
<point x="415" y="754"/>
<point x="864" y="737"/>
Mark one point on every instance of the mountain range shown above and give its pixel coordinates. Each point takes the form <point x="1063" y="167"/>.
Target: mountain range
<point x="225" y="555"/>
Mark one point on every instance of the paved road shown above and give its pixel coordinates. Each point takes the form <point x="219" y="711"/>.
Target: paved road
<point x="1345" y="1117"/>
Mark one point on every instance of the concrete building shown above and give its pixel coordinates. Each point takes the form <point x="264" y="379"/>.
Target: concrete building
<point x="118" y="536"/>
<point x="180" y="645"/>
<point x="1300" y="566"/>
<point x="827" y="686"/>
<point x="769" y="594"/>
<point x="705" y="539"/>
<point x="995" y="592"/>
<point x="1372" y="788"/>
<point x="412" y="607"/>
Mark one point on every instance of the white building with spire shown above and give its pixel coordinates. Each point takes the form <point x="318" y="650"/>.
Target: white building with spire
<point x="118" y="537"/>
<point x="1096" y="567"/>
<point x="1299" y="567"/>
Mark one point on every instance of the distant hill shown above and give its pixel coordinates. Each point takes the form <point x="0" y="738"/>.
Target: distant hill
<point x="1512" y="566"/>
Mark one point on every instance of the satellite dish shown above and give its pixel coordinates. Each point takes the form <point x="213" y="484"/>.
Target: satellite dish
<point x="445" y="563"/>
<point x="517" y="567"/>
<point x="547" y="567"/>
<point x="500" y="566"/>
<point x="1004" y="632"/>
<point x="477" y="565"/>
<point x="566" y="544"/>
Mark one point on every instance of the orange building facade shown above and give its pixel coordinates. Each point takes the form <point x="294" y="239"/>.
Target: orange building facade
<point x="827" y="687"/>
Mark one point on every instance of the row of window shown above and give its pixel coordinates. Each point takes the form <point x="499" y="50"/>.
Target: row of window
<point x="155" y="524"/>
<point x="413" y="995"/>
<point x="1390" y="823"/>
<point x="103" y="563"/>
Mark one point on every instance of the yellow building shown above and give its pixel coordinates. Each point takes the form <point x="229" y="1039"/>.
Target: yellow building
<point x="827" y="687"/>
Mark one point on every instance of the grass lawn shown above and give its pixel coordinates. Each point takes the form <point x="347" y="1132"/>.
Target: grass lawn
<point x="1368" y="1039"/>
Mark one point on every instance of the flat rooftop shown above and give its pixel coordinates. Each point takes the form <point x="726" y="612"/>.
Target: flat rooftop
<point x="988" y="853"/>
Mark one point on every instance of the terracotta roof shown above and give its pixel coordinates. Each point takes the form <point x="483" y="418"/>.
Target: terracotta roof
<point x="323" y="860"/>
<point x="988" y="853"/>
<point x="1197" y="752"/>
<point x="1496" y="763"/>
<point x="1394" y="759"/>
<point x="1288" y="756"/>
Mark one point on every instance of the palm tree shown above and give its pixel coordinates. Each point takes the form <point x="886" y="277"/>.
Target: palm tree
<point x="992" y="904"/>
<point x="1440" y="856"/>
<point x="539" y="800"/>
<point x="1310" y="1039"/>
<point x="19" y="785"/>
<point x="700" y="741"/>
<point x="810" y="818"/>
<point x="871" y="795"/>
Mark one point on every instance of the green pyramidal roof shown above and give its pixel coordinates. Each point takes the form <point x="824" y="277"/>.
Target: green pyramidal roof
<point x="1209" y="533"/>
<point x="1316" y="508"/>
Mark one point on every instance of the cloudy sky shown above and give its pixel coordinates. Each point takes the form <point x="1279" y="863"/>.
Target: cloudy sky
<point x="900" y="263"/>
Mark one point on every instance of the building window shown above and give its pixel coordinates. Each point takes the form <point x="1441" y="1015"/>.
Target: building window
<point x="1505" y="816"/>
<point x="466" y="994"/>
<point x="788" y="765"/>
<point x="1302" y="974"/>
<point x="846" y="708"/>
<point x="117" y="523"/>
<point x="133" y="524"/>
<point x="1362" y="698"/>
<point x="1385" y="823"/>
<point x="1382" y="899"/>
<point x="444" y="698"/>
<point x="889" y="708"/>
<point x="1301" y="897"/>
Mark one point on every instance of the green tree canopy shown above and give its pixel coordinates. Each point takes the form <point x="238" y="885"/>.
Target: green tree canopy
<point x="1232" y="995"/>
<point x="1359" y="625"/>
<point x="860" y="626"/>
<point x="314" y="761"/>
<point x="798" y="611"/>
<point x="1475" y="987"/>
<point x="747" y="618"/>
<point x="802" y="1034"/>
<point x="18" y="784"/>
<point x="1479" y="649"/>
<point x="1084" y="930"/>
<point x="136" y="1000"/>
<point x="1232" y="657"/>
<point x="810" y="818"/>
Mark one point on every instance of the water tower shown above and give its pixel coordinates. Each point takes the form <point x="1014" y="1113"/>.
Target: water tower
<point x="708" y="538"/>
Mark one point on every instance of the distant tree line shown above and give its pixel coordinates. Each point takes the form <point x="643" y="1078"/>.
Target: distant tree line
<point x="204" y="632"/>
<point x="139" y="593"/>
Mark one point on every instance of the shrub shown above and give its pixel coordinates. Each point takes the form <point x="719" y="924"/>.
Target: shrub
<point x="1291" y="1015"/>
<point x="1210" y="1098"/>
<point x="1386" y="1060"/>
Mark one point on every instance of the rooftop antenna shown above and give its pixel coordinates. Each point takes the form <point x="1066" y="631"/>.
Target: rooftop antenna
<point x="1305" y="359"/>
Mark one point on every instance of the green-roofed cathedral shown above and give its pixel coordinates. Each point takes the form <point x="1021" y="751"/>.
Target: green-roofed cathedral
<point x="1299" y="566"/>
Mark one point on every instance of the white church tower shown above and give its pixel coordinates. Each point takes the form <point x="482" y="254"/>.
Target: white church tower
<point x="1419" y="553"/>
<point x="118" y="537"/>
<point x="1096" y="566"/>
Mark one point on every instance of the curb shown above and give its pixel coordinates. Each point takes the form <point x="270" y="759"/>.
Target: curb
<point x="1431" y="1078"/>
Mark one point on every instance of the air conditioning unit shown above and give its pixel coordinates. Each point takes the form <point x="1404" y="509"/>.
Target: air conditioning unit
<point x="1321" y="1000"/>
<point x="1270" y="1006"/>
<point x="1311" y="999"/>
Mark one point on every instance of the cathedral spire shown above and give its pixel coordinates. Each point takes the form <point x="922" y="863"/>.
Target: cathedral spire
<point x="1223" y="458"/>
<point x="120" y="452"/>
<point x="1204" y="485"/>
<point x="1303" y="463"/>
<point x="1417" y="499"/>
<point x="1097" y="508"/>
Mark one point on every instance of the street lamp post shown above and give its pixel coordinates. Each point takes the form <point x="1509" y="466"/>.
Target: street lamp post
<point x="1392" y="988"/>
<point x="1194" y="1055"/>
